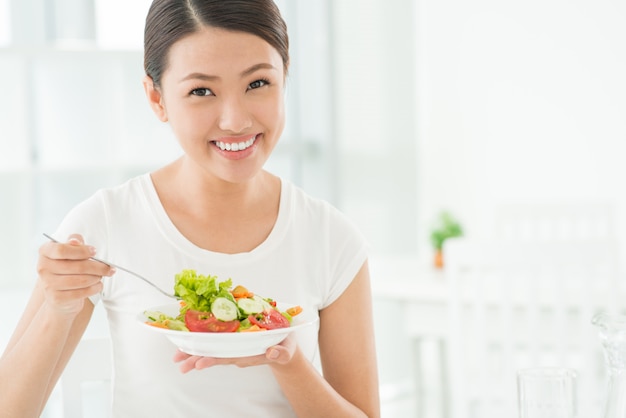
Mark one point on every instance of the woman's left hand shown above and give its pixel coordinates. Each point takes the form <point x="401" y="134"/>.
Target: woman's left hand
<point x="277" y="354"/>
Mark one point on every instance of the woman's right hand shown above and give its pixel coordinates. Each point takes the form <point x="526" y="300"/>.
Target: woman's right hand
<point x="67" y="274"/>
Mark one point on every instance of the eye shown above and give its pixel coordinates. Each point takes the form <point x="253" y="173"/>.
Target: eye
<point x="257" y="84"/>
<point x="201" y="92"/>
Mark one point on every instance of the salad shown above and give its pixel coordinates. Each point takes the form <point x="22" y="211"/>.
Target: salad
<point x="210" y="306"/>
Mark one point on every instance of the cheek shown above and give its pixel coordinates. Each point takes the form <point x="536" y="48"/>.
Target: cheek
<point x="188" y="122"/>
<point x="273" y="114"/>
<point x="281" y="121"/>
<point x="281" y="117"/>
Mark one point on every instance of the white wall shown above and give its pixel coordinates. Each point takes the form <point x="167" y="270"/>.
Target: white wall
<point x="519" y="101"/>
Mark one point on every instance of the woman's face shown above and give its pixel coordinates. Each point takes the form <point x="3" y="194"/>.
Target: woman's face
<point x="222" y="94"/>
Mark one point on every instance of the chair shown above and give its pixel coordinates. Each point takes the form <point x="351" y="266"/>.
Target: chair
<point x="515" y="304"/>
<point x="85" y="382"/>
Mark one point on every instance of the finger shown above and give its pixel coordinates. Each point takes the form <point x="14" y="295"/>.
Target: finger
<point x="278" y="354"/>
<point x="73" y="249"/>
<point x="205" y="362"/>
<point x="283" y="352"/>
<point x="70" y="282"/>
<point x="75" y="239"/>
<point x="80" y="272"/>
<point x="64" y="296"/>
<point x="87" y="266"/>
<point x="188" y="364"/>
<point x="180" y="356"/>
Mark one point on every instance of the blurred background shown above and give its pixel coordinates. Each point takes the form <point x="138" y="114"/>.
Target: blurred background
<point x="397" y="111"/>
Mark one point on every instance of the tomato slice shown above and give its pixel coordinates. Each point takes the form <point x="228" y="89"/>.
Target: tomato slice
<point x="269" y="319"/>
<point x="198" y="321"/>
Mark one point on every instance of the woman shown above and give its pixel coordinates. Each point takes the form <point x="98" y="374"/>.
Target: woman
<point x="215" y="71"/>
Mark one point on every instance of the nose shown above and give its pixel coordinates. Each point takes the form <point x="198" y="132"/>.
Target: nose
<point x="234" y="115"/>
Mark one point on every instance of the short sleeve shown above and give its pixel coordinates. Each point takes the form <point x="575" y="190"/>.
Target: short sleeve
<point x="348" y="252"/>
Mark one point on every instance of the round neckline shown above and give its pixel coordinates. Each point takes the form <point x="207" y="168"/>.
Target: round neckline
<point x="178" y="240"/>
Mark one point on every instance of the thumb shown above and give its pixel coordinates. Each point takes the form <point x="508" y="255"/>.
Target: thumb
<point x="278" y="354"/>
<point x="75" y="239"/>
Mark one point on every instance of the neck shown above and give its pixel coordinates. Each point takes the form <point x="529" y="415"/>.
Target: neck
<point x="204" y="193"/>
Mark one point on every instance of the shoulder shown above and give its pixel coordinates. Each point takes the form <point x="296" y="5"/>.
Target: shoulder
<point x="305" y="204"/>
<point x="93" y="213"/>
<point x="319" y="214"/>
<point x="123" y="197"/>
<point x="131" y="188"/>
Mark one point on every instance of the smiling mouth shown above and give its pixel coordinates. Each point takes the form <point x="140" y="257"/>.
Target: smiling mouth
<point x="235" y="146"/>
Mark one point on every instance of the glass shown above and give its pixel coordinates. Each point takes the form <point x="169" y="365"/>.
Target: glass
<point x="547" y="392"/>
<point x="612" y="332"/>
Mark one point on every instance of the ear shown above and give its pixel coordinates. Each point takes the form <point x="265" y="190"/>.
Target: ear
<point x="155" y="98"/>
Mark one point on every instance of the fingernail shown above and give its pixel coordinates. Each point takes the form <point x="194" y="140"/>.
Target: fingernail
<point x="73" y="241"/>
<point x="274" y="354"/>
<point x="92" y="250"/>
<point x="112" y="271"/>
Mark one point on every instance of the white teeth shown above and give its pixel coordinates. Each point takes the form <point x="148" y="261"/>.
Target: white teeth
<point x="235" y="146"/>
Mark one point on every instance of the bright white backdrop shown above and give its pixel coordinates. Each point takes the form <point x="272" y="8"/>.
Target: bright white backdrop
<point x="519" y="102"/>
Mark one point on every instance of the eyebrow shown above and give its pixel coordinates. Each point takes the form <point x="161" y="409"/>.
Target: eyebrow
<point x="244" y="73"/>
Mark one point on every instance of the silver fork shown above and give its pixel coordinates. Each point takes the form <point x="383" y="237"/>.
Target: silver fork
<point x="108" y="263"/>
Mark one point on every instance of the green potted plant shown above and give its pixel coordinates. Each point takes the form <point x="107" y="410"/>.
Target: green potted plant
<point x="445" y="227"/>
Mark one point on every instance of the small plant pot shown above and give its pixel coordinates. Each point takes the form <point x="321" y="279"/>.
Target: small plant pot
<point x="438" y="259"/>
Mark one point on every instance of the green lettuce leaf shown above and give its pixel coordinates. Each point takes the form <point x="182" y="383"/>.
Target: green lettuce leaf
<point x="199" y="291"/>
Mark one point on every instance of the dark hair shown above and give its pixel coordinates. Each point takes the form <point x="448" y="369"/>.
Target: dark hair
<point x="171" y="20"/>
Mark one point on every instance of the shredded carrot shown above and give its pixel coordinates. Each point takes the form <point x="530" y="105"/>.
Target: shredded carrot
<point x="253" y="328"/>
<point x="157" y="324"/>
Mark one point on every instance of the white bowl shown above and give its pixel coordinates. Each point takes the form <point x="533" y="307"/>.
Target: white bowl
<point x="227" y="344"/>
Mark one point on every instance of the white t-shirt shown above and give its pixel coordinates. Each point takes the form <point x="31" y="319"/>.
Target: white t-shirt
<point x="309" y="258"/>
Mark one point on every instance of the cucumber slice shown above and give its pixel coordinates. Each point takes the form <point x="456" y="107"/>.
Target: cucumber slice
<point x="224" y="309"/>
<point x="156" y="316"/>
<point x="250" y="306"/>
<point x="263" y="302"/>
<point x="176" y="325"/>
